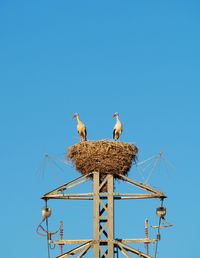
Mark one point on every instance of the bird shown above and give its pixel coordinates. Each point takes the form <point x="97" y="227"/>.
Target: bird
<point x="81" y="128"/>
<point x="118" y="128"/>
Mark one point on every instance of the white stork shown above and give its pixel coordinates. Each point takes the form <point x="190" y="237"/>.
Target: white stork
<point x="81" y="128"/>
<point x="117" y="128"/>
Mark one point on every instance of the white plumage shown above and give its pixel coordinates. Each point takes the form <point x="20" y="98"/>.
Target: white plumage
<point x="118" y="128"/>
<point x="81" y="128"/>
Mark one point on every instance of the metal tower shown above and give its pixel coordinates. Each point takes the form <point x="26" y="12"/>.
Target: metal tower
<point x="103" y="243"/>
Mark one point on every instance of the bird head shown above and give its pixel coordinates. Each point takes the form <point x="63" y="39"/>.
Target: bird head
<point x="75" y="115"/>
<point x="116" y="114"/>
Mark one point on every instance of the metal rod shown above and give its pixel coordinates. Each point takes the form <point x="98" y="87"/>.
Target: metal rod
<point x="72" y="185"/>
<point x="124" y="251"/>
<point x="84" y="251"/>
<point x="66" y="242"/>
<point x="103" y="241"/>
<point x="132" y="250"/>
<point x="64" y="186"/>
<point x="141" y="185"/>
<point x="61" y="237"/>
<point x="146" y="233"/>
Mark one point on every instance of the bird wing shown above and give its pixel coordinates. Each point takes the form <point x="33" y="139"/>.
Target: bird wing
<point x="114" y="133"/>
<point x="82" y="130"/>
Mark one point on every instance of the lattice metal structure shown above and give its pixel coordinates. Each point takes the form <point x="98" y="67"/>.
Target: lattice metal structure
<point x="103" y="243"/>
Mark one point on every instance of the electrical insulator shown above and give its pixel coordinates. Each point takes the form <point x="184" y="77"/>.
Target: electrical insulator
<point x="46" y="212"/>
<point x="161" y="211"/>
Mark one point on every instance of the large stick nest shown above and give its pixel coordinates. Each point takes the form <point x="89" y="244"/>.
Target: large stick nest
<point x="102" y="156"/>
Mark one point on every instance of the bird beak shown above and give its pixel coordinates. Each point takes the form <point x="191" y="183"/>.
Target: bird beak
<point x="114" y="115"/>
<point x="73" y="116"/>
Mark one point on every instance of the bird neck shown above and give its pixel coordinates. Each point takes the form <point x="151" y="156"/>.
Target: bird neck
<point x="117" y="118"/>
<point x="78" y="118"/>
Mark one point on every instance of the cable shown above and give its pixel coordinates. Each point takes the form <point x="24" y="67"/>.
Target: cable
<point x="48" y="238"/>
<point x="158" y="235"/>
<point x="47" y="233"/>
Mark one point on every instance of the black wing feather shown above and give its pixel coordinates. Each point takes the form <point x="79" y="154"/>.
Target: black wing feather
<point x="114" y="133"/>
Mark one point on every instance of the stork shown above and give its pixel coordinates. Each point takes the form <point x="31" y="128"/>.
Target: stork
<point x="81" y="128"/>
<point x="117" y="128"/>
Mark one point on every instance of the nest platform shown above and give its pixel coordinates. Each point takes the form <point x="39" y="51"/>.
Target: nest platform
<point x="106" y="157"/>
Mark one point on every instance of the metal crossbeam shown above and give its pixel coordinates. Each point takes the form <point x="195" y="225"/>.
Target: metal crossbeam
<point x="137" y="240"/>
<point x="58" y="193"/>
<point x="76" y="250"/>
<point x="125" y="196"/>
<point x="66" y="242"/>
<point x="103" y="241"/>
<point x="90" y="196"/>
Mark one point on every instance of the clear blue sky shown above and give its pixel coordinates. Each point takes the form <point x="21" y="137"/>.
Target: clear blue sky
<point x="140" y="58"/>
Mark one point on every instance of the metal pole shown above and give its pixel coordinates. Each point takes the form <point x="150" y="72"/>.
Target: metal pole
<point x="110" y="186"/>
<point x="96" y="214"/>
<point x="103" y="225"/>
